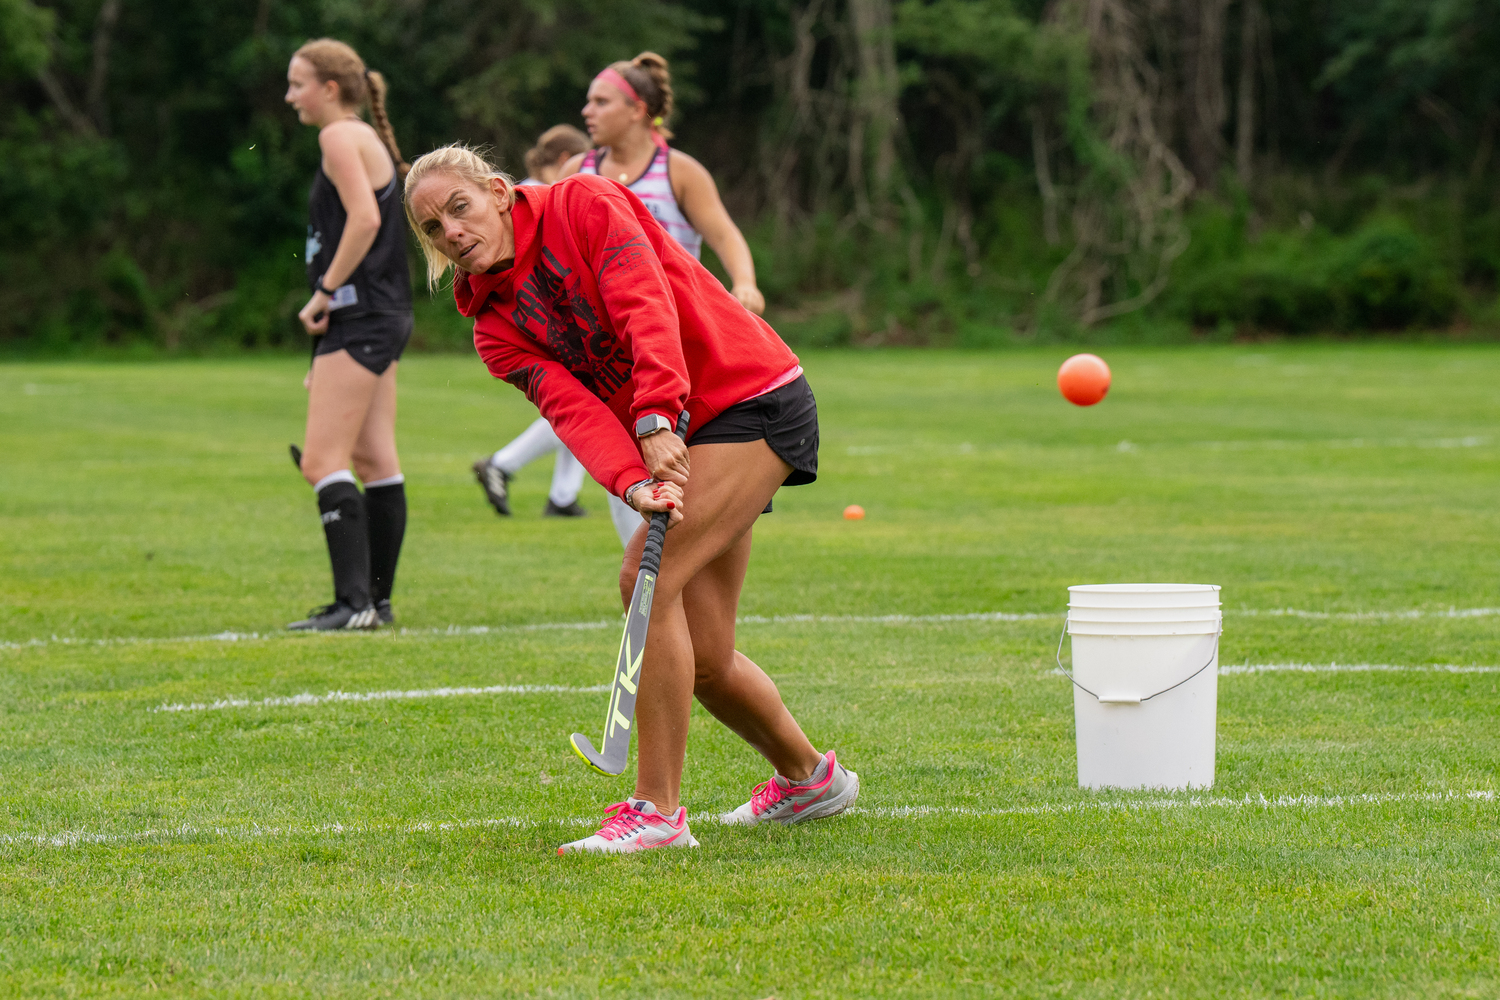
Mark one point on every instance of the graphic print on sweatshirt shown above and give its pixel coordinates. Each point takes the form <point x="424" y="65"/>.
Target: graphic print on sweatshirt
<point x="552" y="310"/>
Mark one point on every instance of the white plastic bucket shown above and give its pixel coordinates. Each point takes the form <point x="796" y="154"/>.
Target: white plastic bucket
<point x="1144" y="595"/>
<point x="1146" y="683"/>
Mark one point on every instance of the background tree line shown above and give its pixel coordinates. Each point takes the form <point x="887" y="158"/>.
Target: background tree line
<point x="942" y="171"/>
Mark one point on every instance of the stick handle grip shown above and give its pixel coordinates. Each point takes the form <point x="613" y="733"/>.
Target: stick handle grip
<point x="656" y="535"/>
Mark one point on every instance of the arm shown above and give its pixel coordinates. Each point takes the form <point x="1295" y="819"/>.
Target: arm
<point x="637" y="298"/>
<point x="346" y="168"/>
<point x="584" y="423"/>
<point x="699" y="197"/>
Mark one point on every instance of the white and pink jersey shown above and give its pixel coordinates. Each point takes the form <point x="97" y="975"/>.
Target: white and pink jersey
<point x="654" y="188"/>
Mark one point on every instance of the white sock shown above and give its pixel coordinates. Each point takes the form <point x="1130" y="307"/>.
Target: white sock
<point x="531" y="444"/>
<point x="819" y="773"/>
<point x="341" y="476"/>
<point x="626" y="519"/>
<point x="567" y="479"/>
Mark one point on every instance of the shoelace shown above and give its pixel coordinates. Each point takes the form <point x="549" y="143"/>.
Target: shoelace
<point x="621" y="820"/>
<point x="767" y="794"/>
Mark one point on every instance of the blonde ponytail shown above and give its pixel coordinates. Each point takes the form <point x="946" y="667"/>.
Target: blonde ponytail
<point x="382" y="123"/>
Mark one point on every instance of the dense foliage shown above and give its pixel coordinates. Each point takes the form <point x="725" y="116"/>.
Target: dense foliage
<point x="918" y="170"/>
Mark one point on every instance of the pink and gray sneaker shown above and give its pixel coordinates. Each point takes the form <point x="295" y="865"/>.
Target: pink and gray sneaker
<point x="635" y="825"/>
<point x="832" y="789"/>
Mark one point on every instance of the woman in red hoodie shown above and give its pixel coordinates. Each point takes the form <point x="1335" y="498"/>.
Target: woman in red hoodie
<point x="582" y="301"/>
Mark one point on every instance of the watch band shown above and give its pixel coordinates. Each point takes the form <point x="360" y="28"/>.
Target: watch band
<point x="650" y="424"/>
<point x="325" y="291"/>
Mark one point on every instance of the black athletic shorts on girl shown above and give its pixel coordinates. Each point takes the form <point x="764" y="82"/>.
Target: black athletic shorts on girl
<point x="786" y="418"/>
<point x="375" y="340"/>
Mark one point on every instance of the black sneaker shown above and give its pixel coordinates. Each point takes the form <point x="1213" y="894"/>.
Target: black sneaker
<point x="496" y="483"/>
<point x="571" y="510"/>
<point x="336" y="616"/>
<point x="384" y="613"/>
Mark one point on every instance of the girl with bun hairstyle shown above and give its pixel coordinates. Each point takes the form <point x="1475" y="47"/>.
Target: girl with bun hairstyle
<point x="582" y="300"/>
<point x="360" y="318"/>
<point x="629" y="106"/>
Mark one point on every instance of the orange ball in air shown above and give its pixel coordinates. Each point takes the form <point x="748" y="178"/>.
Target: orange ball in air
<point x="1083" y="379"/>
<point x="854" y="512"/>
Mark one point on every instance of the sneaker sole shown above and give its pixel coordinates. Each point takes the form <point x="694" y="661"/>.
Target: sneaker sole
<point x="566" y="849"/>
<point x="828" y="807"/>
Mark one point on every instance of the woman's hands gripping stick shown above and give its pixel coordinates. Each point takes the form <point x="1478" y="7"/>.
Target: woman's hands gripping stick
<point x="666" y="458"/>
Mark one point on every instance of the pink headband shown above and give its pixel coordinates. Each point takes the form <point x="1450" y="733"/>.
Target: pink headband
<point x="621" y="84"/>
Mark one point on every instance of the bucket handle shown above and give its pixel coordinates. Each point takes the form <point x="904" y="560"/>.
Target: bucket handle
<point x="1125" y="699"/>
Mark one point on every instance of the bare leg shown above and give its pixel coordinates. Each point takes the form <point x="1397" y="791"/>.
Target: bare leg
<point x="726" y="681"/>
<point x="729" y="486"/>
<point x="375" y="455"/>
<point x="338" y="403"/>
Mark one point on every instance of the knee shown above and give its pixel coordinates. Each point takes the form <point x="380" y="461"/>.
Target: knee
<point x="316" y="467"/>
<point x="628" y="569"/>
<point x="366" y="467"/>
<point x="709" y="671"/>
<point x="629" y="566"/>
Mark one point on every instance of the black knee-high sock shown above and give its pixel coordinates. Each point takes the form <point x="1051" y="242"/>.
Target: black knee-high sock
<point x="385" y="507"/>
<point x="344" y="520"/>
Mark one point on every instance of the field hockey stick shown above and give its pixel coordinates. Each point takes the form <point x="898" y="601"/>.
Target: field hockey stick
<point x="610" y="758"/>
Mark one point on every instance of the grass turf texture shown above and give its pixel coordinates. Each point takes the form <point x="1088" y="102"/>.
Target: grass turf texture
<point x="403" y="847"/>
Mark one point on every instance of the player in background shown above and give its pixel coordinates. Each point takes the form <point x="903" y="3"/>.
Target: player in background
<point x="628" y="107"/>
<point x="554" y="148"/>
<point x="360" y="318"/>
<point x="583" y="301"/>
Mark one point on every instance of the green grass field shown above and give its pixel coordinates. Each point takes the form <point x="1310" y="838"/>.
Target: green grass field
<point x="156" y="537"/>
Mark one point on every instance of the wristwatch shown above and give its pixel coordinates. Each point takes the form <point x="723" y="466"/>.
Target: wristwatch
<point x="650" y="424"/>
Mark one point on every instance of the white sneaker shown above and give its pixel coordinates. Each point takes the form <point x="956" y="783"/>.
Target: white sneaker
<point x="783" y="802"/>
<point x="635" y="825"/>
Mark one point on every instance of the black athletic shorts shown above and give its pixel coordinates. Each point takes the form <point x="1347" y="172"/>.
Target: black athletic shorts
<point x="786" y="418"/>
<point x="375" y="340"/>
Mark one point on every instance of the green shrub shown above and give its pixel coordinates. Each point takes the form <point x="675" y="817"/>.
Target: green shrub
<point x="1383" y="276"/>
<point x="1386" y="277"/>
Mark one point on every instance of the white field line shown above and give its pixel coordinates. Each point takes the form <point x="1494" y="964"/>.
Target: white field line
<point x="1354" y="668"/>
<point x="897" y="619"/>
<point x="338" y="697"/>
<point x="188" y="831"/>
<point x="332" y="697"/>
<point x="1232" y="669"/>
<point x="1359" y="616"/>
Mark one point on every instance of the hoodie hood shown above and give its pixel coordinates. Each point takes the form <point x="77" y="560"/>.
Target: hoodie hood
<point x="472" y="291"/>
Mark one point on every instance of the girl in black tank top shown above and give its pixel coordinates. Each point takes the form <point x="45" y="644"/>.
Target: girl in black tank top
<point x="381" y="284"/>
<point x="360" y="318"/>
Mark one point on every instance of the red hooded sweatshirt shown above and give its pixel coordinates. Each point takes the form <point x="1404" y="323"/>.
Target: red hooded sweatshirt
<point x="604" y="319"/>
